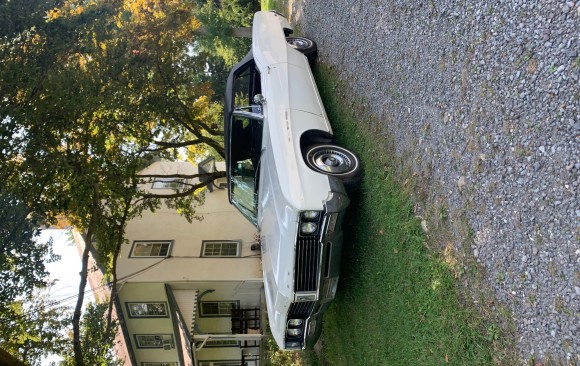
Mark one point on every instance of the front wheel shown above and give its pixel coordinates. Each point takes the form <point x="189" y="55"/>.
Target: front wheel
<point x="333" y="160"/>
<point x="304" y="45"/>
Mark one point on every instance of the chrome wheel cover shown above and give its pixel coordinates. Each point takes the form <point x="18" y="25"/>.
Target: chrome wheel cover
<point x="332" y="161"/>
<point x="299" y="43"/>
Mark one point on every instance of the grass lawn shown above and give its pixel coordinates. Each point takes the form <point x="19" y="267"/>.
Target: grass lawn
<point x="397" y="301"/>
<point x="268" y="4"/>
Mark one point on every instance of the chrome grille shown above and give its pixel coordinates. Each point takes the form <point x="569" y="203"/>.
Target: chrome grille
<point x="307" y="264"/>
<point x="300" y="310"/>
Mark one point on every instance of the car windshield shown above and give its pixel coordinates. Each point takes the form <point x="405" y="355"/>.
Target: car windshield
<point x="246" y="138"/>
<point x="245" y="141"/>
<point x="244" y="194"/>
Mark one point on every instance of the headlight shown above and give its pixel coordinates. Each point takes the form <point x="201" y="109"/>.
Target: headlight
<point x="295" y="322"/>
<point x="309" y="215"/>
<point x="294" y="332"/>
<point x="308" y="228"/>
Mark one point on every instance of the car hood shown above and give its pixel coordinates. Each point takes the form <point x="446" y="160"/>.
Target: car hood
<point x="278" y="223"/>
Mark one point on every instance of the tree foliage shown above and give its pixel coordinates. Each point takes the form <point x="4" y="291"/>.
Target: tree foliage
<point x="90" y="92"/>
<point x="226" y="28"/>
<point x="96" y="338"/>
<point x="32" y="327"/>
<point x="22" y="257"/>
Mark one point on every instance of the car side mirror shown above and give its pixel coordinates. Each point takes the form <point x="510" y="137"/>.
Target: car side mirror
<point x="259" y="99"/>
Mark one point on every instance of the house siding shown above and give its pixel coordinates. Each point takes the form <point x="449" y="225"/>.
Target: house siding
<point x="188" y="276"/>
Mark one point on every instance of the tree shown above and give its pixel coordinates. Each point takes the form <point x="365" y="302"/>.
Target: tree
<point x="7" y="359"/>
<point x="89" y="91"/>
<point x="226" y="28"/>
<point x="97" y="338"/>
<point x="22" y="258"/>
<point x="33" y="327"/>
<point x="28" y="328"/>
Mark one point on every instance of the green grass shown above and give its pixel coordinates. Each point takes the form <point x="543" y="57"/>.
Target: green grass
<point x="397" y="302"/>
<point x="267" y="4"/>
<point x="278" y="5"/>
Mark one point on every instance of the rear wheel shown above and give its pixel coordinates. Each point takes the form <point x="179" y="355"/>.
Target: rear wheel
<point x="305" y="45"/>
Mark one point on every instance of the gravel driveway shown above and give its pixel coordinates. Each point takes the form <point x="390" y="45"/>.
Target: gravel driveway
<point x="483" y="100"/>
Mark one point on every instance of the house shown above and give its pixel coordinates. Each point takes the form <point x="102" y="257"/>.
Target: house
<point x="190" y="293"/>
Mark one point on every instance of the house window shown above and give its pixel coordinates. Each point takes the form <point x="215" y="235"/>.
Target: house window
<point x="218" y="308"/>
<point x="223" y="343"/>
<point x="168" y="183"/>
<point x="159" y="364"/>
<point x="151" y="248"/>
<point x="221" y="248"/>
<point x="147" y="309"/>
<point x="164" y="341"/>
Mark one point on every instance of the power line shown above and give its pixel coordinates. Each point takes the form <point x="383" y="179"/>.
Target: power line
<point x="74" y="297"/>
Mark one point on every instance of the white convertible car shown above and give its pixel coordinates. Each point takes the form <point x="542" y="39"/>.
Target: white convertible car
<point x="288" y="177"/>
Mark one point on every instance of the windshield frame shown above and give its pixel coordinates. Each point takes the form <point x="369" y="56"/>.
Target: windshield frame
<point x="243" y="137"/>
<point x="244" y="195"/>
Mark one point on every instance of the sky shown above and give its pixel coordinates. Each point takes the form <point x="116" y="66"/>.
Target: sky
<point x="66" y="270"/>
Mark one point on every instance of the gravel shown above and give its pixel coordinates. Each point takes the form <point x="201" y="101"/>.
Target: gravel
<point x="483" y="98"/>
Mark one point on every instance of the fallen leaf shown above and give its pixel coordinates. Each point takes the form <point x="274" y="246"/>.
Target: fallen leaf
<point x="424" y="226"/>
<point x="446" y="358"/>
<point x="381" y="231"/>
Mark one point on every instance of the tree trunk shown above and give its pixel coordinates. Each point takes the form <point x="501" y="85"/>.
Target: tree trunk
<point x="7" y="359"/>
<point x="242" y="32"/>
<point x="76" y="321"/>
<point x="120" y="237"/>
